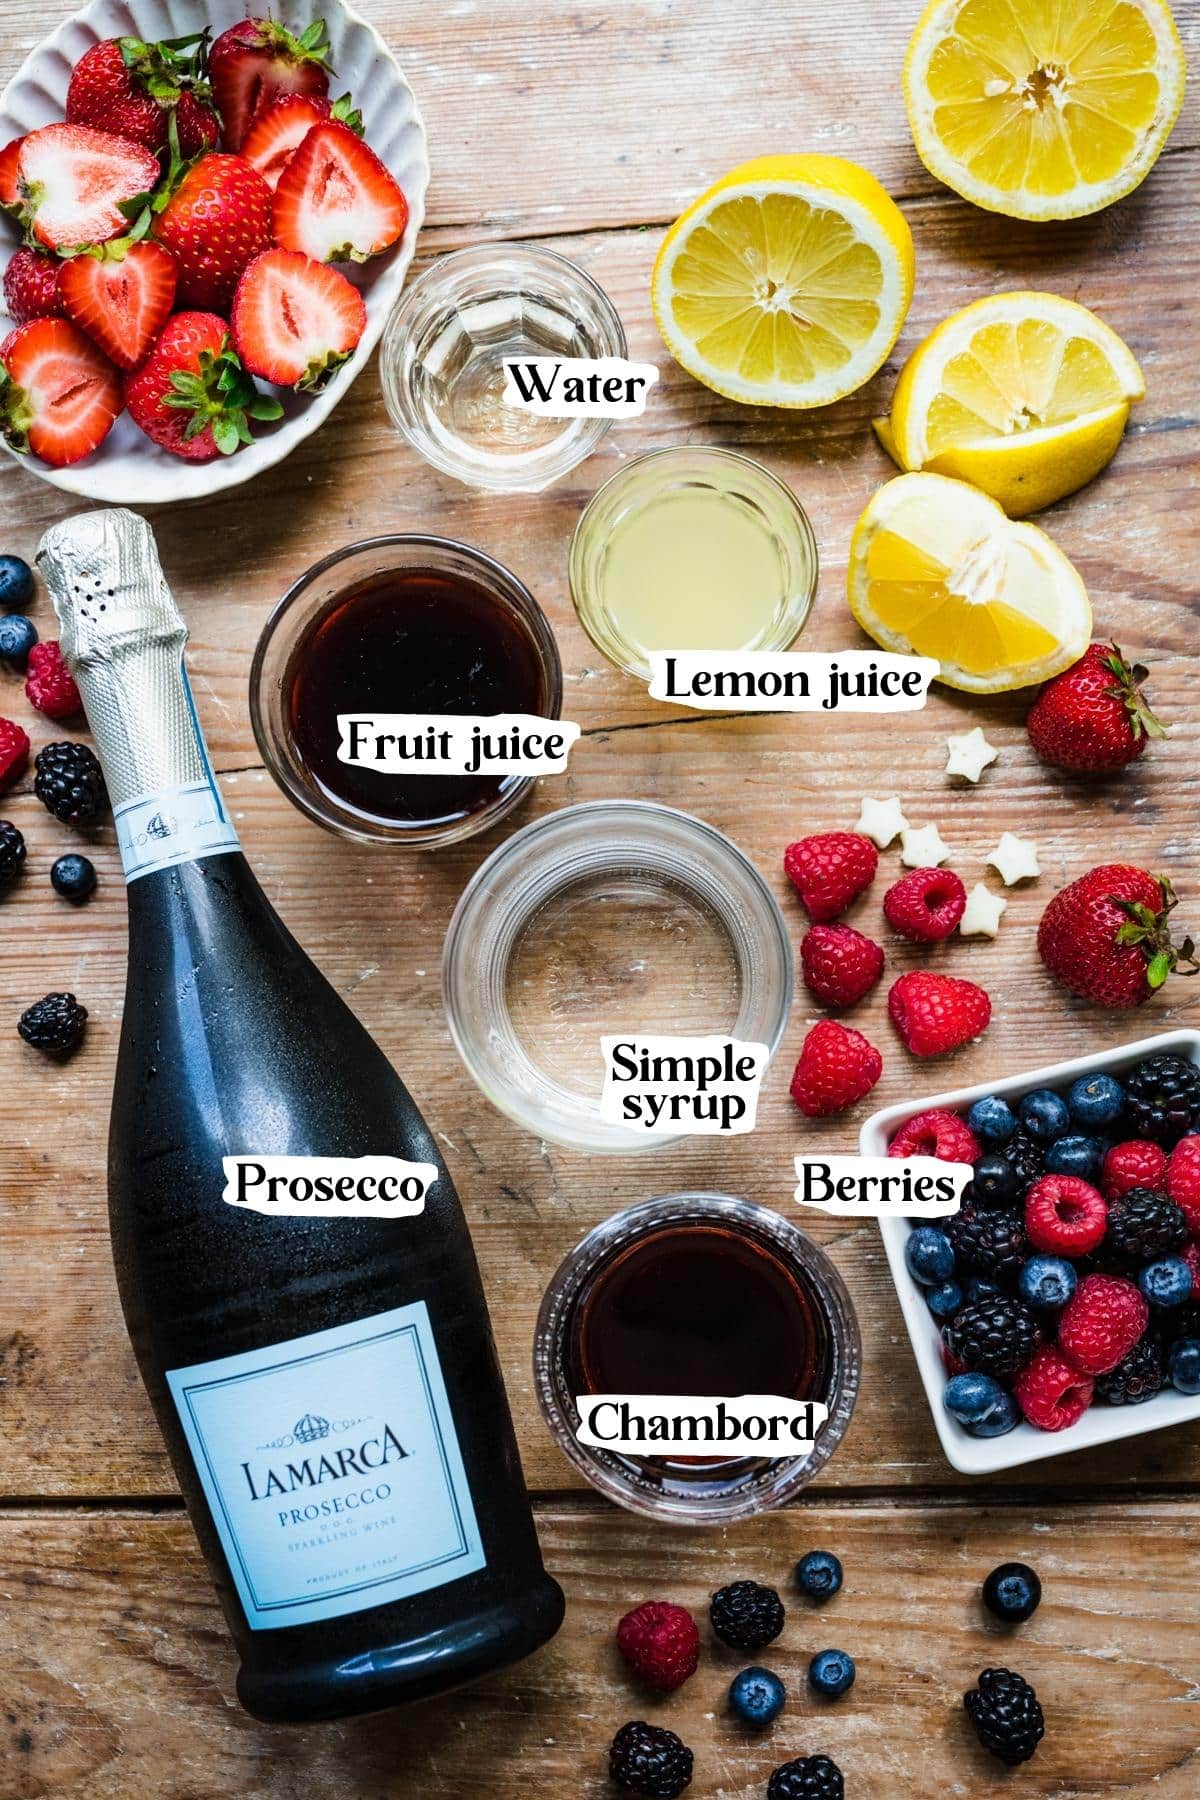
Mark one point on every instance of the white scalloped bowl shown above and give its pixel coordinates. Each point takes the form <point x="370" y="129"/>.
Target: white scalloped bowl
<point x="128" y="468"/>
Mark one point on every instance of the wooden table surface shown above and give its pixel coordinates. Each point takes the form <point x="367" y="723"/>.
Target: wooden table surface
<point x="590" y="127"/>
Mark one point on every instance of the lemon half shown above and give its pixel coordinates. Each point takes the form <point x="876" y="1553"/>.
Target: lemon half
<point x="1025" y="395"/>
<point x="1043" y="109"/>
<point x="937" y="569"/>
<point x="787" y="283"/>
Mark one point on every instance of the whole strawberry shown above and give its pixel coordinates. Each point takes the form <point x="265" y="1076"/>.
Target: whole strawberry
<point x="1093" y="718"/>
<point x="131" y="88"/>
<point x="214" y="218"/>
<point x="49" y="684"/>
<point x="192" y="396"/>
<point x="934" y="1014"/>
<point x="31" y="286"/>
<point x="1106" y="937"/>
<point x="661" y="1644"/>
<point x="840" y="965"/>
<point x="829" y="870"/>
<point x="837" y="1066"/>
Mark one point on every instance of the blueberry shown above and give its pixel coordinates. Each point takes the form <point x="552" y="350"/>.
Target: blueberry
<point x="979" y="1289"/>
<point x="18" y="635"/>
<point x="756" y="1696"/>
<point x="1012" y="1592"/>
<point x="74" y="877"/>
<point x="1167" y="1282"/>
<point x="1183" y="1365"/>
<point x="995" y="1183"/>
<point x="998" y="1423"/>
<point x="1047" y="1282"/>
<point x="992" y="1120"/>
<point x="819" y="1575"/>
<point x="16" y="584"/>
<point x="943" y="1302"/>
<point x="1044" y="1115"/>
<point x="929" y="1256"/>
<point x="970" y="1398"/>
<point x="1075" y="1155"/>
<point x="1095" y="1100"/>
<point x="830" y="1673"/>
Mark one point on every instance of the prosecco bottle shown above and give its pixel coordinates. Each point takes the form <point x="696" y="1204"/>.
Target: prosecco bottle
<point x="327" y="1386"/>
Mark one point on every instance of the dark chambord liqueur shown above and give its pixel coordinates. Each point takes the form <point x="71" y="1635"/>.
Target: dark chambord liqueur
<point x="327" y="1386"/>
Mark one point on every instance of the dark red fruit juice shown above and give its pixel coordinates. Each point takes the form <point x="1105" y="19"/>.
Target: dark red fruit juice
<point x="410" y="641"/>
<point x="699" y="1309"/>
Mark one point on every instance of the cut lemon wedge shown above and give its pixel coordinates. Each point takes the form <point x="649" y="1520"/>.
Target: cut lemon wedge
<point x="1043" y="109"/>
<point x="787" y="283"/>
<point x="937" y="569"/>
<point x="1024" y="395"/>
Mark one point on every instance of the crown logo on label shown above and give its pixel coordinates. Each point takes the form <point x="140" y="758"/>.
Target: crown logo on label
<point x="310" y="1428"/>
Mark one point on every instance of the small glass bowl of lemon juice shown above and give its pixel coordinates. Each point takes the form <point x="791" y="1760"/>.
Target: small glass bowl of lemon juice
<point x="692" y="549"/>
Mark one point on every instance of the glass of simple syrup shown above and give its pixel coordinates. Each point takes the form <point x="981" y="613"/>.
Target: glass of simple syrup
<point x="402" y="624"/>
<point x="705" y="1295"/>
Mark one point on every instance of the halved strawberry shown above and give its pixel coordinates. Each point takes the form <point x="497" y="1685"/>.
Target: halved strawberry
<point x="256" y="61"/>
<point x="73" y="182"/>
<point x="10" y="193"/>
<point x="335" y="200"/>
<point x="121" y="294"/>
<point x="296" y="321"/>
<point x="279" y="130"/>
<point x="192" y="396"/>
<point x="59" y="396"/>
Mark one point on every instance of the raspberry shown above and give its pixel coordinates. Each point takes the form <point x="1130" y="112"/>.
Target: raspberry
<point x="937" y="1133"/>
<point x="1101" y="1323"/>
<point x="1065" y="1215"/>
<point x="49" y="684"/>
<point x="837" y="1066"/>
<point x="1143" y="1225"/>
<point x="649" y="1759"/>
<point x="661" y="1644"/>
<point x="829" y="870"/>
<point x="1183" y="1180"/>
<point x="926" y="905"/>
<point x="14" y="753"/>
<point x="840" y="965"/>
<point x="937" y="1013"/>
<point x="1051" y="1392"/>
<point x="1137" y="1163"/>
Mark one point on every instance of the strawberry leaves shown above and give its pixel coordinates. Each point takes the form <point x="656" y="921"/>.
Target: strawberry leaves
<point x="1149" y="931"/>
<point x="1128" y="691"/>
<point x="221" y="395"/>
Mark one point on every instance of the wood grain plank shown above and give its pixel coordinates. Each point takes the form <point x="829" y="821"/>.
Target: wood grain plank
<point x="116" y="1673"/>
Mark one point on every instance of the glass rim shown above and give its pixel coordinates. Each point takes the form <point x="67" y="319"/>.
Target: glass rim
<point x="621" y="651"/>
<point x="777" y="1479"/>
<point x="284" y="770"/>
<point x="462" y="940"/>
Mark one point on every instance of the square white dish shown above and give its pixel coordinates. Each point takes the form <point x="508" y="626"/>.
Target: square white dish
<point x="128" y="469"/>
<point x="1025" y="1444"/>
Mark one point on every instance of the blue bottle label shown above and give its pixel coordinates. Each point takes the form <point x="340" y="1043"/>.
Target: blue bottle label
<point x="332" y="1469"/>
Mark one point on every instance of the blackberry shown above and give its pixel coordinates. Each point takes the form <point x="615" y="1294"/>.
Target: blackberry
<point x="1161" y="1096"/>
<point x="1143" y="1225"/>
<point x="1006" y="1715"/>
<point x="12" y="853"/>
<point x="1138" y="1377"/>
<point x="993" y="1337"/>
<point x="1183" y="1321"/>
<point x="988" y="1243"/>
<point x="746" y="1616"/>
<point x="55" y="1024"/>
<point x="1026" y="1156"/>
<point x="807" y="1778"/>
<point x="69" y="782"/>
<point x="648" y="1759"/>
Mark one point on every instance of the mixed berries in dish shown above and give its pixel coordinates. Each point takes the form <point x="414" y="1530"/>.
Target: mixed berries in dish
<point x="179" y="231"/>
<point x="1055" y="1292"/>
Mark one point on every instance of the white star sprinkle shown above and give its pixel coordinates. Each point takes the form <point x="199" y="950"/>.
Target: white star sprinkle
<point x="981" y="916"/>
<point x="1015" y="859"/>
<point x="881" y="820"/>
<point x="969" y="754"/>
<point x="923" y="848"/>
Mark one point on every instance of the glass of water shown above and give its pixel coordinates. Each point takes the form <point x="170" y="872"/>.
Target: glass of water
<point x="444" y="354"/>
